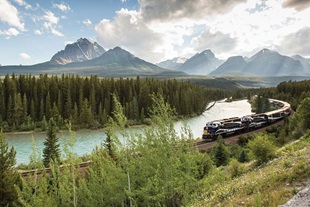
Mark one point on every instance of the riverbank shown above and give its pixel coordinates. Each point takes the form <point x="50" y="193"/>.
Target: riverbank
<point x="135" y="126"/>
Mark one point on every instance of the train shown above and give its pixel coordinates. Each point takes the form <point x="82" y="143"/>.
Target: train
<point x="239" y="125"/>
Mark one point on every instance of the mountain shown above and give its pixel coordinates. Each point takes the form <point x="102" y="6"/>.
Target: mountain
<point x="304" y="61"/>
<point x="79" y="51"/>
<point x="201" y="64"/>
<point x="263" y="63"/>
<point x="119" y="62"/>
<point x="173" y="63"/>
<point x="232" y="65"/>
<point x="115" y="62"/>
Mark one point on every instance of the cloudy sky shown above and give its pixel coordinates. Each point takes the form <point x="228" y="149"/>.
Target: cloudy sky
<point x="155" y="30"/>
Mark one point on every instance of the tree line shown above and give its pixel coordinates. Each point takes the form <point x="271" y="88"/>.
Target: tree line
<point x="28" y="102"/>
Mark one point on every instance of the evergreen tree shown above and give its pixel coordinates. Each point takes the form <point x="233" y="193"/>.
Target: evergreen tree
<point x="8" y="174"/>
<point x="18" y="110"/>
<point x="10" y="111"/>
<point x="243" y="156"/>
<point x="117" y="121"/>
<point x="68" y="106"/>
<point x="48" y="107"/>
<point x="51" y="150"/>
<point x="54" y="111"/>
<point x="220" y="152"/>
<point x="25" y="109"/>
<point x="33" y="111"/>
<point x="41" y="112"/>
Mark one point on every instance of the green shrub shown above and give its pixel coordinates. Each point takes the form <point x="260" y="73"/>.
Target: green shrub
<point x="243" y="140"/>
<point x="235" y="168"/>
<point x="262" y="148"/>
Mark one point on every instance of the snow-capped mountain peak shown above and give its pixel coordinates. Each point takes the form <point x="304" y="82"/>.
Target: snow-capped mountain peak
<point x="172" y="63"/>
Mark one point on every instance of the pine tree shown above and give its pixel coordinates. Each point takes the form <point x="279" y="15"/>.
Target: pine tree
<point x="8" y="174"/>
<point x="220" y="153"/>
<point x="51" y="150"/>
<point x="48" y="106"/>
<point x="18" y="110"/>
<point x="243" y="156"/>
<point x="10" y="111"/>
<point x="25" y="109"/>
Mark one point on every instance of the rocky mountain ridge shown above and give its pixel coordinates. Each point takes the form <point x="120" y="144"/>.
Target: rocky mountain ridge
<point x="264" y="63"/>
<point x="79" y="51"/>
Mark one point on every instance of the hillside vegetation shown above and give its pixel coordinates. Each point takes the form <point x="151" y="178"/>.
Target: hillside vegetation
<point x="270" y="184"/>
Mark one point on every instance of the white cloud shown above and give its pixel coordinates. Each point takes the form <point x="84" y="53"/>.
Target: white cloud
<point x="63" y="7"/>
<point x="130" y="32"/>
<point x="38" y="32"/>
<point x="24" y="56"/>
<point x="10" y="32"/>
<point x="50" y="18"/>
<point x="218" y="42"/>
<point x="153" y="42"/>
<point x="9" y="14"/>
<point x="297" y="4"/>
<point x="68" y="42"/>
<point x="167" y="10"/>
<point x="56" y="32"/>
<point x="51" y="23"/>
<point x="87" y="23"/>
<point x="296" y="43"/>
<point x="258" y="24"/>
<point x="24" y="4"/>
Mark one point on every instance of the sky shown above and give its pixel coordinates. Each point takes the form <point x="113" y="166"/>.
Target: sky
<point x="32" y="31"/>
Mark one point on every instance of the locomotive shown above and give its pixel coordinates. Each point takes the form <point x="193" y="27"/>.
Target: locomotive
<point x="240" y="125"/>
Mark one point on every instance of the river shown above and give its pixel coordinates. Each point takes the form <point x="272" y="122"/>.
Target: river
<point x="87" y="140"/>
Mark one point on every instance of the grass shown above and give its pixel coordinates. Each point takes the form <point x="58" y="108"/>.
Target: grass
<point x="272" y="184"/>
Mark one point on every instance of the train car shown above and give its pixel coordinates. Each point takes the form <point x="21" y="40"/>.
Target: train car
<point x="236" y="125"/>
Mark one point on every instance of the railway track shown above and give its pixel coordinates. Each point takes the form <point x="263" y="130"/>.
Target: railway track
<point x="39" y="172"/>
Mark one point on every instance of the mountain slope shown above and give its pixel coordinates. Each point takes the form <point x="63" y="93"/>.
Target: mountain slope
<point x="263" y="63"/>
<point x="232" y="65"/>
<point x="79" y="51"/>
<point x="201" y="64"/>
<point x="304" y="62"/>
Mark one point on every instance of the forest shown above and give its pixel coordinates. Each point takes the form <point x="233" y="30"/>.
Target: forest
<point x="28" y="102"/>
